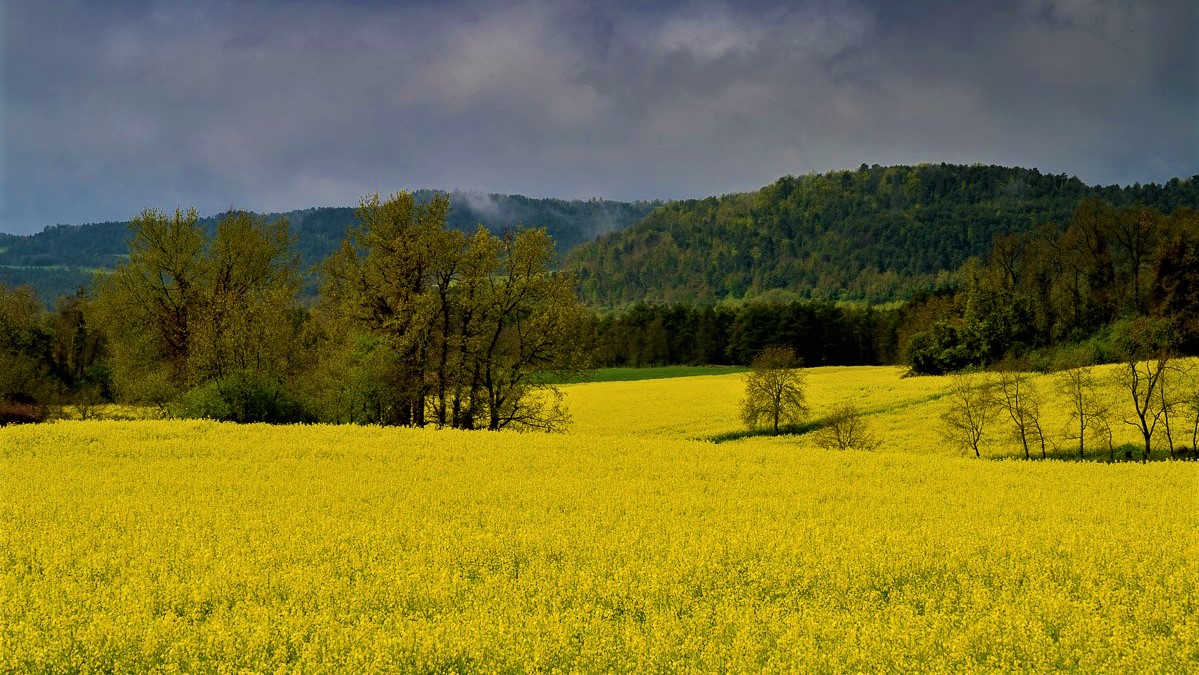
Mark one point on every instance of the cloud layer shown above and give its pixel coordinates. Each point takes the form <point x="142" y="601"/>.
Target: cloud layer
<point x="111" y="107"/>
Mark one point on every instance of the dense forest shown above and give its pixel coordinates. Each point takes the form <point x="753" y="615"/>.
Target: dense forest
<point x="820" y="333"/>
<point x="62" y="258"/>
<point x="877" y="234"/>
<point x="1041" y="298"/>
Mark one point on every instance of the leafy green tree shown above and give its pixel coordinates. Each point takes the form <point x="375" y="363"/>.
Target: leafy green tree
<point x="774" y="390"/>
<point x="1175" y="292"/>
<point x="148" y="304"/>
<point x="467" y="325"/>
<point x="188" y="309"/>
<point x="247" y="324"/>
<point x="26" y="384"/>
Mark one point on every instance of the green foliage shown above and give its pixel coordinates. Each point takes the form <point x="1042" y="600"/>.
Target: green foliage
<point x="465" y="327"/>
<point x="61" y="258"/>
<point x="820" y="333"/>
<point x="244" y="398"/>
<point x="876" y="234"/>
<point x="25" y="377"/>
<point x="187" y="308"/>
<point x="1034" y="293"/>
<point x="774" y="390"/>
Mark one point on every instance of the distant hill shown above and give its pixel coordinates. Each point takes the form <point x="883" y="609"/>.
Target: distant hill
<point x="875" y="234"/>
<point x="62" y="257"/>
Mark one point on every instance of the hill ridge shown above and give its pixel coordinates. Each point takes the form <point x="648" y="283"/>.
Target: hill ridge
<point x="874" y="234"/>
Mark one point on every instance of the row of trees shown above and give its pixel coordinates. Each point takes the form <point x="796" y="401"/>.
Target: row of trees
<point x="416" y="324"/>
<point x="820" y="333"/>
<point x="1158" y="393"/>
<point x="1049" y="287"/>
<point x="1163" y="393"/>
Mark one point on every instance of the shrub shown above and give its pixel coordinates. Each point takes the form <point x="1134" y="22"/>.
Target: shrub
<point x="244" y="399"/>
<point x="845" y="429"/>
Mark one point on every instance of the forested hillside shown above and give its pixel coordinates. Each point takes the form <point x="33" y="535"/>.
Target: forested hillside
<point x="876" y="234"/>
<point x="62" y="257"/>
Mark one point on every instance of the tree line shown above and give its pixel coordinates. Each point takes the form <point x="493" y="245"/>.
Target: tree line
<point x="1033" y="292"/>
<point x="820" y="333"/>
<point x="416" y="324"/>
<point x="1157" y="395"/>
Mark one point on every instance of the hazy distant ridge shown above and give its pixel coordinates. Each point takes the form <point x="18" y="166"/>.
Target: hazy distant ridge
<point x="62" y="257"/>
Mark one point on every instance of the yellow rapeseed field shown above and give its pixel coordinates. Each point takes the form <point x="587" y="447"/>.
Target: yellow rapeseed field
<point x="625" y="545"/>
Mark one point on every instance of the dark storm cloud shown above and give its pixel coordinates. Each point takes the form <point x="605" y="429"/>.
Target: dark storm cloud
<point x="109" y="107"/>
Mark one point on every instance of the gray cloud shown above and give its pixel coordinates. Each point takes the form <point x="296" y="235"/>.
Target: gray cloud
<point x="110" y="107"/>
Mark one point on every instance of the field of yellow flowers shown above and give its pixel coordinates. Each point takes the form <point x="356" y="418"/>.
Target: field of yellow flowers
<point x="624" y="545"/>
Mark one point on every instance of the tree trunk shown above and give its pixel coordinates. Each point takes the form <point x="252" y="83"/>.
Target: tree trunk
<point x="1082" y="437"/>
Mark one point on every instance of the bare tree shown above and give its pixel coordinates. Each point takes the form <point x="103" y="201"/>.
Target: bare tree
<point x="1147" y="347"/>
<point x="1101" y="408"/>
<point x="1168" y="402"/>
<point x="845" y="428"/>
<point x="774" y="390"/>
<point x="1141" y="379"/>
<point x="972" y="406"/>
<point x="1080" y="387"/>
<point x="1019" y="396"/>
<point x="1190" y="397"/>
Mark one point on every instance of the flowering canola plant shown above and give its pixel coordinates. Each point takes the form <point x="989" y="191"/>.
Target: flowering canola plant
<point x="624" y="545"/>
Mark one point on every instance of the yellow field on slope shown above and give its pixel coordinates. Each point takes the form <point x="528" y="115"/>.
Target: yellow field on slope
<point x="186" y="546"/>
<point x="903" y="412"/>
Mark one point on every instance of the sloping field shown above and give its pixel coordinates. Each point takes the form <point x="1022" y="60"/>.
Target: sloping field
<point x="903" y="412"/>
<point x="130" y="546"/>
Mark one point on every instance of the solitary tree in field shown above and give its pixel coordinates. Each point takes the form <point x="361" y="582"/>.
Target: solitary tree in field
<point x="972" y="406"/>
<point x="845" y="429"/>
<point x="774" y="390"/>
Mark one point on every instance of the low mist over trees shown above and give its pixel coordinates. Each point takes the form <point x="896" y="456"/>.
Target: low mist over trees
<point x="61" y="258"/>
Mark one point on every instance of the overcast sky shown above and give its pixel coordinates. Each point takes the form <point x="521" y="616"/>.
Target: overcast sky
<point x="110" y="107"/>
